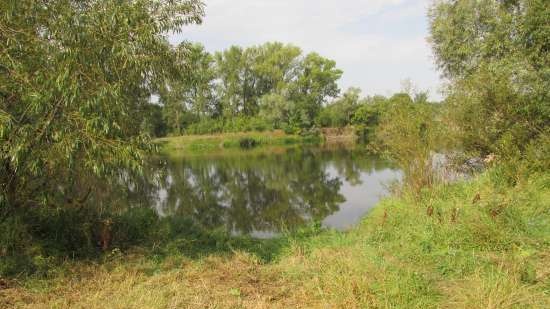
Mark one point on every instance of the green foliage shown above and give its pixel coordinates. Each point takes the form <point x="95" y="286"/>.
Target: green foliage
<point x="340" y="112"/>
<point x="408" y="133"/>
<point x="272" y="82"/>
<point x="75" y="83"/>
<point x="242" y="124"/>
<point x="275" y="109"/>
<point x="316" y="81"/>
<point x="206" y="126"/>
<point x="247" y="143"/>
<point x="367" y="117"/>
<point x="233" y="125"/>
<point x="135" y="226"/>
<point x="495" y="53"/>
<point x="40" y="247"/>
<point x="248" y="74"/>
<point x="520" y="161"/>
<point x="188" y="96"/>
<point x="154" y="124"/>
<point x="16" y="250"/>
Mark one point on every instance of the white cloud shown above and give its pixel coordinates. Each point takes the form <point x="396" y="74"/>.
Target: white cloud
<point x="376" y="42"/>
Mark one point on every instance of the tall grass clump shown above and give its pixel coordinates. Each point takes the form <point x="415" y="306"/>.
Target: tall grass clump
<point x="408" y="134"/>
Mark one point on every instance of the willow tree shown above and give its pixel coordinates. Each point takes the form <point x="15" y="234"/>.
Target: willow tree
<point x="75" y="77"/>
<point x="496" y="55"/>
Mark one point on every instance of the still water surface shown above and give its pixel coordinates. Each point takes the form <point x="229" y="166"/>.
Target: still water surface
<point x="263" y="194"/>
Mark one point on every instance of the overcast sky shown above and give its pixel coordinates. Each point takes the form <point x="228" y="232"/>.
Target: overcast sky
<point x="377" y="43"/>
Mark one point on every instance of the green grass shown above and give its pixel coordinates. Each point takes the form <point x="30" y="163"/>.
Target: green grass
<point x="228" y="142"/>
<point x="439" y="250"/>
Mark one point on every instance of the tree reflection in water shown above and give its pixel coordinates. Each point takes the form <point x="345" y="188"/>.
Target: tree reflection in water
<point x="253" y="193"/>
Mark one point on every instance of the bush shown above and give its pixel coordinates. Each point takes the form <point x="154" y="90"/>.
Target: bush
<point x="366" y="119"/>
<point x="408" y="134"/>
<point x="16" y="249"/>
<point x="134" y="226"/>
<point x="32" y="241"/>
<point x="518" y="162"/>
<point x="311" y="136"/>
<point x="248" y="142"/>
<point x="290" y="129"/>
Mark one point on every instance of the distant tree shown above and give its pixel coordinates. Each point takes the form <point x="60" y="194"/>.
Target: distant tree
<point x="275" y="109"/>
<point x="154" y="124"/>
<point x="233" y="89"/>
<point x="367" y="116"/>
<point x="187" y="95"/>
<point x="339" y="113"/>
<point x="200" y="75"/>
<point x="315" y="84"/>
<point x="275" y="67"/>
<point x="248" y="74"/>
<point x="235" y="86"/>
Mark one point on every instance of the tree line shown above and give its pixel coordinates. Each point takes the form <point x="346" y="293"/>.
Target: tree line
<point x="265" y="87"/>
<point x="268" y="86"/>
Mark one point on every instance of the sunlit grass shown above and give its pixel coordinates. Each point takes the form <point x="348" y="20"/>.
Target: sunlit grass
<point x="231" y="143"/>
<point x="226" y="142"/>
<point x="491" y="253"/>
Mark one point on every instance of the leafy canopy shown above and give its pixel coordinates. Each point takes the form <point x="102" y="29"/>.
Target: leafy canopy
<point x="75" y="77"/>
<point x="496" y="55"/>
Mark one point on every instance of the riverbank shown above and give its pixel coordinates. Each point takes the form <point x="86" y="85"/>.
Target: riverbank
<point x="228" y="142"/>
<point x="477" y="244"/>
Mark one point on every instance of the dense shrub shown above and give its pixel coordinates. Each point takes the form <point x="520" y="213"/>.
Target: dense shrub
<point x="32" y="241"/>
<point x="366" y="119"/>
<point x="495" y="55"/>
<point x="408" y="134"/>
<point x="248" y="142"/>
<point x="340" y="112"/>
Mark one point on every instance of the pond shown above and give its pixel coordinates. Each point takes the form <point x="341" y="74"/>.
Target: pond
<point x="263" y="193"/>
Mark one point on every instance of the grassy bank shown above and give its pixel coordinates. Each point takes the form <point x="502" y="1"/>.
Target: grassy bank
<point x="215" y="143"/>
<point x="478" y="244"/>
<point x="231" y="142"/>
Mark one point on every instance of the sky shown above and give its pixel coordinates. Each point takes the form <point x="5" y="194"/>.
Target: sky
<point x="377" y="43"/>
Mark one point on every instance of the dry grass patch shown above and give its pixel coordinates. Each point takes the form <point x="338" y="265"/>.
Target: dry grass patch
<point x="240" y="281"/>
<point x="493" y="291"/>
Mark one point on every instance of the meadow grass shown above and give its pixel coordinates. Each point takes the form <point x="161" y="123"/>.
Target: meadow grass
<point x="228" y="142"/>
<point x="446" y="249"/>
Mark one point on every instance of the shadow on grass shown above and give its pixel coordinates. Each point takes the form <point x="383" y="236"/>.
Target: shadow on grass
<point x="38" y="240"/>
<point x="192" y="242"/>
